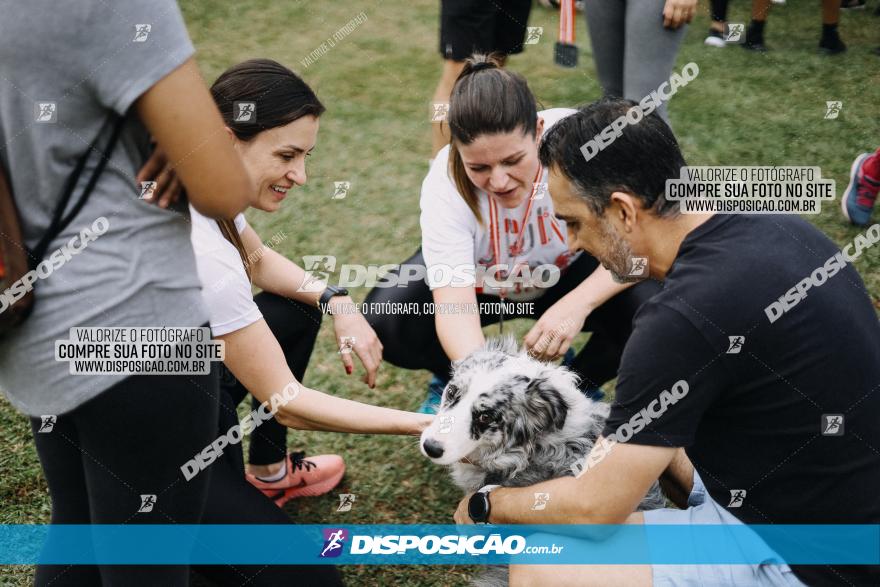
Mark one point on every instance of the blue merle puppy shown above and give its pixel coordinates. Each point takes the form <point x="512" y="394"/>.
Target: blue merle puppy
<point x="508" y="419"/>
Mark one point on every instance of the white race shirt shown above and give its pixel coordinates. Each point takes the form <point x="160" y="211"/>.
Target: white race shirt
<point x="452" y="237"/>
<point x="226" y="288"/>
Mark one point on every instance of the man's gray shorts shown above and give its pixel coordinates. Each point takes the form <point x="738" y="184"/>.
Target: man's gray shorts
<point x="702" y="509"/>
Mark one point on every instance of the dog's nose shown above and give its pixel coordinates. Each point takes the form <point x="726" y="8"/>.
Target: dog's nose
<point x="433" y="448"/>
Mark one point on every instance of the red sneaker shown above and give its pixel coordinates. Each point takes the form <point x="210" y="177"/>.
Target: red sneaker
<point x="305" y="477"/>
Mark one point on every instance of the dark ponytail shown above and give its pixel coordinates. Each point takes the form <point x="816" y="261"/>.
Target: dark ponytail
<point x="280" y="97"/>
<point x="486" y="99"/>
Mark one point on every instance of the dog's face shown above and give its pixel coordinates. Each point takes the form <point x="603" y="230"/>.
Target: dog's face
<point x="498" y="403"/>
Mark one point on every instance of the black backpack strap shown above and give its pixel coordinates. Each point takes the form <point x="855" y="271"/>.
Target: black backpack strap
<point x="59" y="221"/>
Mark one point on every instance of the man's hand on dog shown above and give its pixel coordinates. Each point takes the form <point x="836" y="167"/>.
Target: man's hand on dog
<point x="553" y="333"/>
<point x="461" y="515"/>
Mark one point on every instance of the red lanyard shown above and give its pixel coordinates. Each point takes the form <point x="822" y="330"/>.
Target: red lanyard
<point x="494" y="230"/>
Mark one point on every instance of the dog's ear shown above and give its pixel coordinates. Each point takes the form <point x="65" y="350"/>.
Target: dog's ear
<point x="545" y="404"/>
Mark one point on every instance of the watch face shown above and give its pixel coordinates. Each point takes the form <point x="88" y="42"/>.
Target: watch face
<point x="478" y="507"/>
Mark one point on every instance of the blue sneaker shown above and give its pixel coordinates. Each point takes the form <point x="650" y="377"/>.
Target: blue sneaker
<point x="431" y="405"/>
<point x="858" y="200"/>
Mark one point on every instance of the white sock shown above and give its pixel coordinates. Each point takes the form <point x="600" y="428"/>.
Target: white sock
<point x="277" y="476"/>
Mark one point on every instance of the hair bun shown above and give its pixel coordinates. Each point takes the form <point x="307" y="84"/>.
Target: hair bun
<point x="481" y="65"/>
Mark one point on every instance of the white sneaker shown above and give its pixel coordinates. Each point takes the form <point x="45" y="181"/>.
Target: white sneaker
<point x="715" y="39"/>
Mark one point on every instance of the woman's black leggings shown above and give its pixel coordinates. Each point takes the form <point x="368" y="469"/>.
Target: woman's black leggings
<point x="411" y="342"/>
<point x="296" y="326"/>
<point x="132" y="440"/>
<point x="718" y="10"/>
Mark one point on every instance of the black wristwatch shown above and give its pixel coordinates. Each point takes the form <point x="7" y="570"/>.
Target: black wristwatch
<point x="479" y="507"/>
<point x="331" y="291"/>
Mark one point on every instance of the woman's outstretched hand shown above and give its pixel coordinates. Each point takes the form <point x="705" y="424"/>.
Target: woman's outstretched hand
<point x="355" y="335"/>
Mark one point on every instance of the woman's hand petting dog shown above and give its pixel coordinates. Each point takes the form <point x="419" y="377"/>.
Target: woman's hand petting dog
<point x="168" y="189"/>
<point x="553" y="333"/>
<point x="366" y="344"/>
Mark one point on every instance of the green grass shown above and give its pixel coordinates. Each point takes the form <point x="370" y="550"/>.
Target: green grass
<point x="743" y="109"/>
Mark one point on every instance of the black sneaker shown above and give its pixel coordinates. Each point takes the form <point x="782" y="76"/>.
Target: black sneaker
<point x="830" y="44"/>
<point x="852" y="4"/>
<point x="754" y="40"/>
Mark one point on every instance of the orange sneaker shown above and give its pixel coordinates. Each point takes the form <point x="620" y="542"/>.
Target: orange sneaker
<point x="305" y="477"/>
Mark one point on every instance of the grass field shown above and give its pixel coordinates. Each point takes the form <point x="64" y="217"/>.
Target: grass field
<point x="743" y="109"/>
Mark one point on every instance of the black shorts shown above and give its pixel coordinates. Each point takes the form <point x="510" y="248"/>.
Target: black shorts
<point x="482" y="26"/>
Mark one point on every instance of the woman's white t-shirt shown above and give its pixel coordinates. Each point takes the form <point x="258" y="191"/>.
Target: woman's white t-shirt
<point x="452" y="238"/>
<point x="226" y="288"/>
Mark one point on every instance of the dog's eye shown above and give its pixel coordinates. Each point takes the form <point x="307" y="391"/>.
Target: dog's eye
<point x="451" y="391"/>
<point x="485" y="418"/>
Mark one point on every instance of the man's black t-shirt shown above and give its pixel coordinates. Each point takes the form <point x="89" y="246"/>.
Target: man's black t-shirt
<point x="758" y="414"/>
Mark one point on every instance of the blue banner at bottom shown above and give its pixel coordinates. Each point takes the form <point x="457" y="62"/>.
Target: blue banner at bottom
<point x="439" y="544"/>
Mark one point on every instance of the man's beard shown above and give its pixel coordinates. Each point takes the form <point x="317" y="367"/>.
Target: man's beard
<point x="618" y="256"/>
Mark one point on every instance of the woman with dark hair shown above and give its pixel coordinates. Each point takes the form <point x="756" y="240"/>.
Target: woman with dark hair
<point x="272" y="117"/>
<point x="489" y="236"/>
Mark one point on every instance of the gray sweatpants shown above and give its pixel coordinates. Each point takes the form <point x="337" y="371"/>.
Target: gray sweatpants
<point x="633" y="52"/>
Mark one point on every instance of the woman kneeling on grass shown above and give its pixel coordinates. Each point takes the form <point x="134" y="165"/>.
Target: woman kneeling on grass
<point x="490" y="237"/>
<point x="269" y="338"/>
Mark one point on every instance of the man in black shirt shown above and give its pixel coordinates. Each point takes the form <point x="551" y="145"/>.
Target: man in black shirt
<point x="750" y="384"/>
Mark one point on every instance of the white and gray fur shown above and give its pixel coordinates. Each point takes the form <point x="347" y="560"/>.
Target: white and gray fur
<point x="516" y="421"/>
